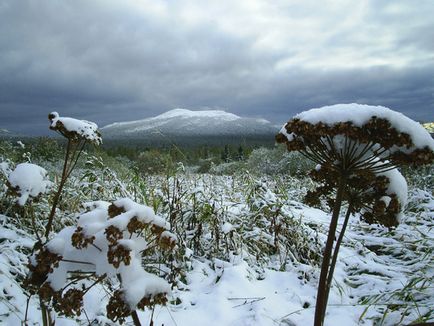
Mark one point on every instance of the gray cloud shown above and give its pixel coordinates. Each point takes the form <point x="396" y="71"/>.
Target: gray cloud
<point x="112" y="61"/>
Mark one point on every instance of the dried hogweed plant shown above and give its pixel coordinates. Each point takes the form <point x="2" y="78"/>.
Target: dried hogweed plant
<point x="107" y="245"/>
<point x="77" y="133"/>
<point x="357" y="149"/>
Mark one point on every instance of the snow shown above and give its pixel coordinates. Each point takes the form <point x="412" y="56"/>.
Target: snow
<point x="138" y="283"/>
<point x="359" y="114"/>
<point x="397" y="185"/>
<point x="227" y="227"/>
<point x="143" y="213"/>
<point x="5" y="168"/>
<point x="184" y="113"/>
<point x="29" y="180"/>
<point x="179" y="114"/>
<point x="85" y="129"/>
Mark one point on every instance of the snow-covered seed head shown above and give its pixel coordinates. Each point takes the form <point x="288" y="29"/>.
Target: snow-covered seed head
<point x="149" y="301"/>
<point x="79" y="240"/>
<point x="114" y="210"/>
<point x="361" y="145"/>
<point x="167" y="240"/>
<point x="53" y="115"/>
<point x="118" y="254"/>
<point x="134" y="225"/>
<point x="375" y="196"/>
<point x="44" y="262"/>
<point x="28" y="181"/>
<point x="70" y="303"/>
<point x="117" y="308"/>
<point x="75" y="129"/>
<point x="336" y="128"/>
<point x="113" y="234"/>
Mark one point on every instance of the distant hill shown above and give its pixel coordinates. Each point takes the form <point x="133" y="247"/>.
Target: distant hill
<point x="6" y="134"/>
<point x="181" y="126"/>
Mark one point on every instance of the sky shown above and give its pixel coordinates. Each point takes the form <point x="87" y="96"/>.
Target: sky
<point x="108" y="61"/>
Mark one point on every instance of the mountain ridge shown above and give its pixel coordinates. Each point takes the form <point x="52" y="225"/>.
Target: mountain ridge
<point x="182" y="124"/>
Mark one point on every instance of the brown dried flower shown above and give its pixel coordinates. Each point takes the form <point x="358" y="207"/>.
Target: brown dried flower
<point x="79" y="240"/>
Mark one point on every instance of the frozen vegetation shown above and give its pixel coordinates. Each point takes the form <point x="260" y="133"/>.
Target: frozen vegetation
<point x="237" y="245"/>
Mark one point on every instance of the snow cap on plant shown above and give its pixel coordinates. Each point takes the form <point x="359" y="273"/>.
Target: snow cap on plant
<point x="389" y="134"/>
<point x="28" y="180"/>
<point x="75" y="129"/>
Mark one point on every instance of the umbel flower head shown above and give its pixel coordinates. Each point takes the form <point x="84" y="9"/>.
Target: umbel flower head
<point x="388" y="134"/>
<point x="364" y="144"/>
<point x="75" y="129"/>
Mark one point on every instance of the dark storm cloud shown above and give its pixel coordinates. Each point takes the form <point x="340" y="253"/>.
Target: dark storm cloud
<point x="111" y="61"/>
<point x="410" y="91"/>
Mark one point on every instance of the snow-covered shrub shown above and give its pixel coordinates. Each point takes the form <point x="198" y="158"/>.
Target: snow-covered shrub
<point x="356" y="148"/>
<point x="227" y="168"/>
<point x="107" y="244"/>
<point x="234" y="216"/>
<point x="271" y="229"/>
<point x="272" y="161"/>
<point x="152" y="162"/>
<point x="13" y="151"/>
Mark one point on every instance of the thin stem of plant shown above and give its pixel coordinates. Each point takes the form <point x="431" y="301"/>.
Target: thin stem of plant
<point x="136" y="319"/>
<point x="321" y="295"/>
<point x="43" y="313"/>
<point x="335" y="255"/>
<point x="59" y="191"/>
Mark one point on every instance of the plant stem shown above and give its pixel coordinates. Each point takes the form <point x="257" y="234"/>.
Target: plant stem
<point x="43" y="313"/>
<point x="136" y="319"/>
<point x="27" y="309"/>
<point x="59" y="191"/>
<point x="335" y="255"/>
<point x="322" y="286"/>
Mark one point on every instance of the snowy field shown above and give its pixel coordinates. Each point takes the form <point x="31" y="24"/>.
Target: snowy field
<point x="383" y="277"/>
<point x="106" y="243"/>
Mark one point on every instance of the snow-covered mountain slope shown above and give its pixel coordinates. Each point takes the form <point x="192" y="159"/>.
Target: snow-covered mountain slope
<point x="186" y="123"/>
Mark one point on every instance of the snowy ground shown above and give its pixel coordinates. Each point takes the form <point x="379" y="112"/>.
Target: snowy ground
<point x="383" y="277"/>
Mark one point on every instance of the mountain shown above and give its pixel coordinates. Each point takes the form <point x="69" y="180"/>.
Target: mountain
<point x="181" y="126"/>
<point x="6" y="134"/>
